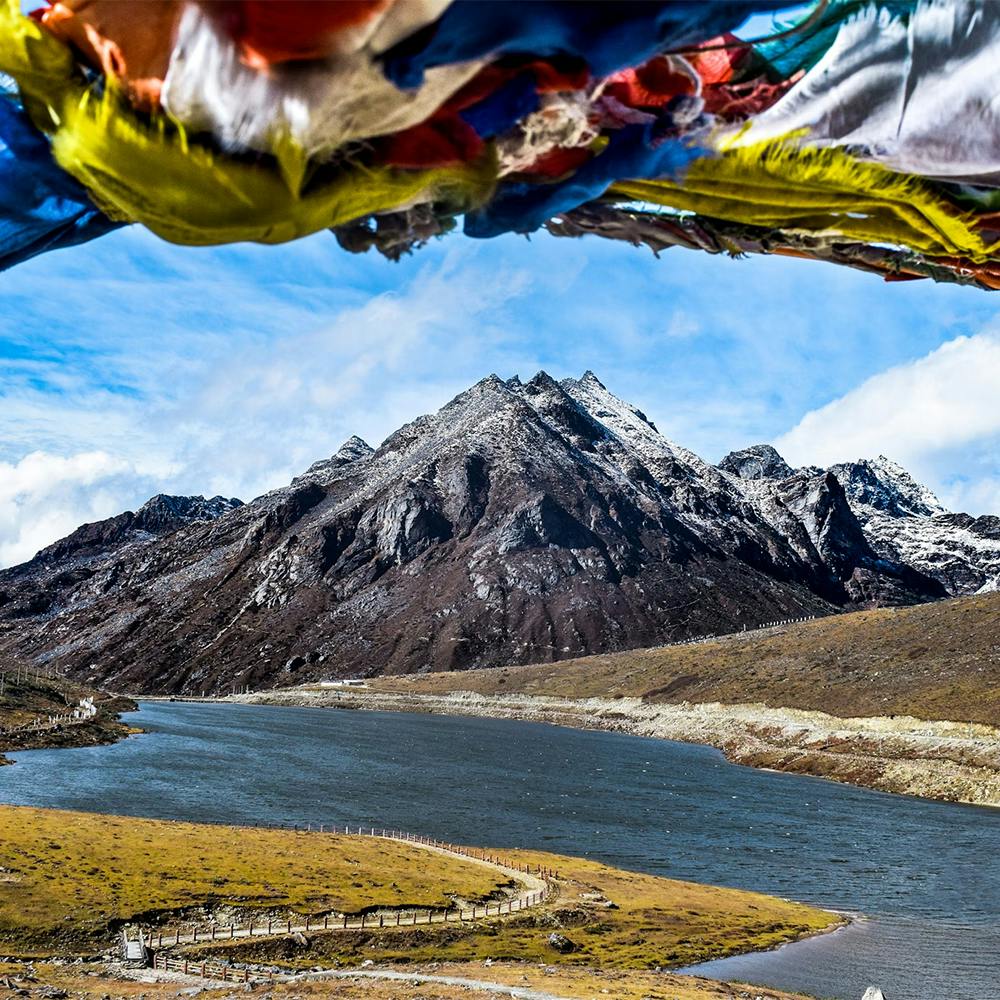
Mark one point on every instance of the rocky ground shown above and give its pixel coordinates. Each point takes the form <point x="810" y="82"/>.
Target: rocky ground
<point x="955" y="762"/>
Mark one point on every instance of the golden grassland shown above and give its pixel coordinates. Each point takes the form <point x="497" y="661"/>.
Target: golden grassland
<point x="654" y="922"/>
<point x="575" y="983"/>
<point x="67" y="878"/>
<point x="932" y="661"/>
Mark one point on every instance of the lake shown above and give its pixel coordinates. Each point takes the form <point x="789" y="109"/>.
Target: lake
<point x="925" y="874"/>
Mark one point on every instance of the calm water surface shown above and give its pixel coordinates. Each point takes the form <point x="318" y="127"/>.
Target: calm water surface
<point x="927" y="875"/>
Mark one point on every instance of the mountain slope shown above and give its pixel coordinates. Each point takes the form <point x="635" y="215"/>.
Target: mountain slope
<point x="931" y="661"/>
<point x="902" y="521"/>
<point x="62" y="568"/>
<point x="522" y="522"/>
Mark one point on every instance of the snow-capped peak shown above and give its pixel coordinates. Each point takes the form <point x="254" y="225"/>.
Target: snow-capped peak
<point x="879" y="484"/>
<point x="354" y="448"/>
<point x="628" y="422"/>
<point x="759" y="461"/>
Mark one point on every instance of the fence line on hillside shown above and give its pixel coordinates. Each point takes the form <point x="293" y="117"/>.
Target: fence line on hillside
<point x="744" y="631"/>
<point x="270" y="927"/>
<point x="22" y="674"/>
<point x="40" y="724"/>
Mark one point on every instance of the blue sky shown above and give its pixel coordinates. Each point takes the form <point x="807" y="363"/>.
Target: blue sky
<point x="130" y="366"/>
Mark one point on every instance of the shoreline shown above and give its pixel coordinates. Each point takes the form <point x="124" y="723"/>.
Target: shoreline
<point x="89" y="734"/>
<point x="942" y="761"/>
<point x="36" y="722"/>
<point x="602" y="909"/>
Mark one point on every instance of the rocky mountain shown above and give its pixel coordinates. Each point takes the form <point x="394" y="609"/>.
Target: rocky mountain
<point x="523" y="522"/>
<point x="902" y="520"/>
<point x="31" y="588"/>
<point x="759" y="461"/>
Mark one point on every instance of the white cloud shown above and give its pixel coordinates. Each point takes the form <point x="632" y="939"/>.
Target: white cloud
<point x="979" y="495"/>
<point x="44" y="496"/>
<point x="238" y="420"/>
<point x="683" y="325"/>
<point x="937" y="416"/>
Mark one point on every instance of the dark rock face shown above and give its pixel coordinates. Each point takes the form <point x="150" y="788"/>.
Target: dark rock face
<point x="822" y="507"/>
<point x="523" y="522"/>
<point x="903" y="523"/>
<point x="67" y="566"/>
<point x="760" y="461"/>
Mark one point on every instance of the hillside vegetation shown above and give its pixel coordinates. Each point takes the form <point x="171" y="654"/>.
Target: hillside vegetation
<point x="26" y="698"/>
<point x="69" y="880"/>
<point x="932" y="661"/>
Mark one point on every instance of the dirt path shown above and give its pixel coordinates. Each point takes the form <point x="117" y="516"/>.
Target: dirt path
<point x="955" y="762"/>
<point x="500" y="989"/>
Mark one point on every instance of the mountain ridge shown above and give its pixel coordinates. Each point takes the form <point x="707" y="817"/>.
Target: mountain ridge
<point x="524" y="521"/>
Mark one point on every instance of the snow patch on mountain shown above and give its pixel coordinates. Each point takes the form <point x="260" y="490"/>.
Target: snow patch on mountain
<point x="902" y="519"/>
<point x="878" y="485"/>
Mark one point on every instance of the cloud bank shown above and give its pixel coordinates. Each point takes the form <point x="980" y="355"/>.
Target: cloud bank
<point x="134" y="367"/>
<point x="938" y="416"/>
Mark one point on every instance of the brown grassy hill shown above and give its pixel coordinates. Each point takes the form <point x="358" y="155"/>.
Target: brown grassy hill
<point x="69" y="881"/>
<point x="26" y="697"/>
<point x="933" y="661"/>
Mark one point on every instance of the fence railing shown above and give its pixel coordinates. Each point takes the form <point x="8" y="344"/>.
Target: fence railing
<point x="210" y="970"/>
<point x="40" y="724"/>
<point x="782" y="621"/>
<point x="746" y="628"/>
<point x="270" y="927"/>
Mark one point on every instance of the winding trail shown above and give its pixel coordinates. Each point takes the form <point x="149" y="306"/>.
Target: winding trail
<point x="500" y="989"/>
<point x="535" y="887"/>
